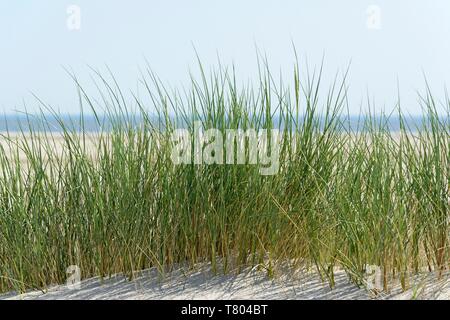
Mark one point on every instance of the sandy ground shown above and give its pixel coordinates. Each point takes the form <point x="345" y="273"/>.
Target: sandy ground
<point x="249" y="284"/>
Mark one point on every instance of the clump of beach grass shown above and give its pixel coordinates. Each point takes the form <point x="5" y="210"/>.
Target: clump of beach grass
<point x="113" y="201"/>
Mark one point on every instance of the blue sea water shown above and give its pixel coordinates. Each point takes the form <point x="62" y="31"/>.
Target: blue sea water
<point x="90" y="123"/>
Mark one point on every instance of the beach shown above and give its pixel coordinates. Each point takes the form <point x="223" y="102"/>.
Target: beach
<point x="248" y="284"/>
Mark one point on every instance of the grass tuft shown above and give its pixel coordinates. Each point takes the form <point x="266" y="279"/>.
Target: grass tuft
<point x="112" y="200"/>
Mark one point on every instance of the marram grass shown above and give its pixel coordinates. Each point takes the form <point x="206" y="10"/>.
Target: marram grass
<point x="113" y="201"/>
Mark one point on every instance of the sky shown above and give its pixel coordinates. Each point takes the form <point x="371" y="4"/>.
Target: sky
<point x="387" y="42"/>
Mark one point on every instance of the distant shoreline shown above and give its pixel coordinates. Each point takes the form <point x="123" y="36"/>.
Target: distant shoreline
<point x="90" y="123"/>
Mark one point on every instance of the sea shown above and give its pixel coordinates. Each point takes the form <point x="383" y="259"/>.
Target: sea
<point x="93" y="124"/>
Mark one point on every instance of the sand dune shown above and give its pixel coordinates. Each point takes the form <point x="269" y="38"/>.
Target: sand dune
<point x="203" y="284"/>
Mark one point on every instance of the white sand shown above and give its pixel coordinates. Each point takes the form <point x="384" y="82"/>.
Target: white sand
<point x="246" y="285"/>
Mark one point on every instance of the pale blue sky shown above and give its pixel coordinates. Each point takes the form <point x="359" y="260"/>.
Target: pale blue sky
<point x="36" y="43"/>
